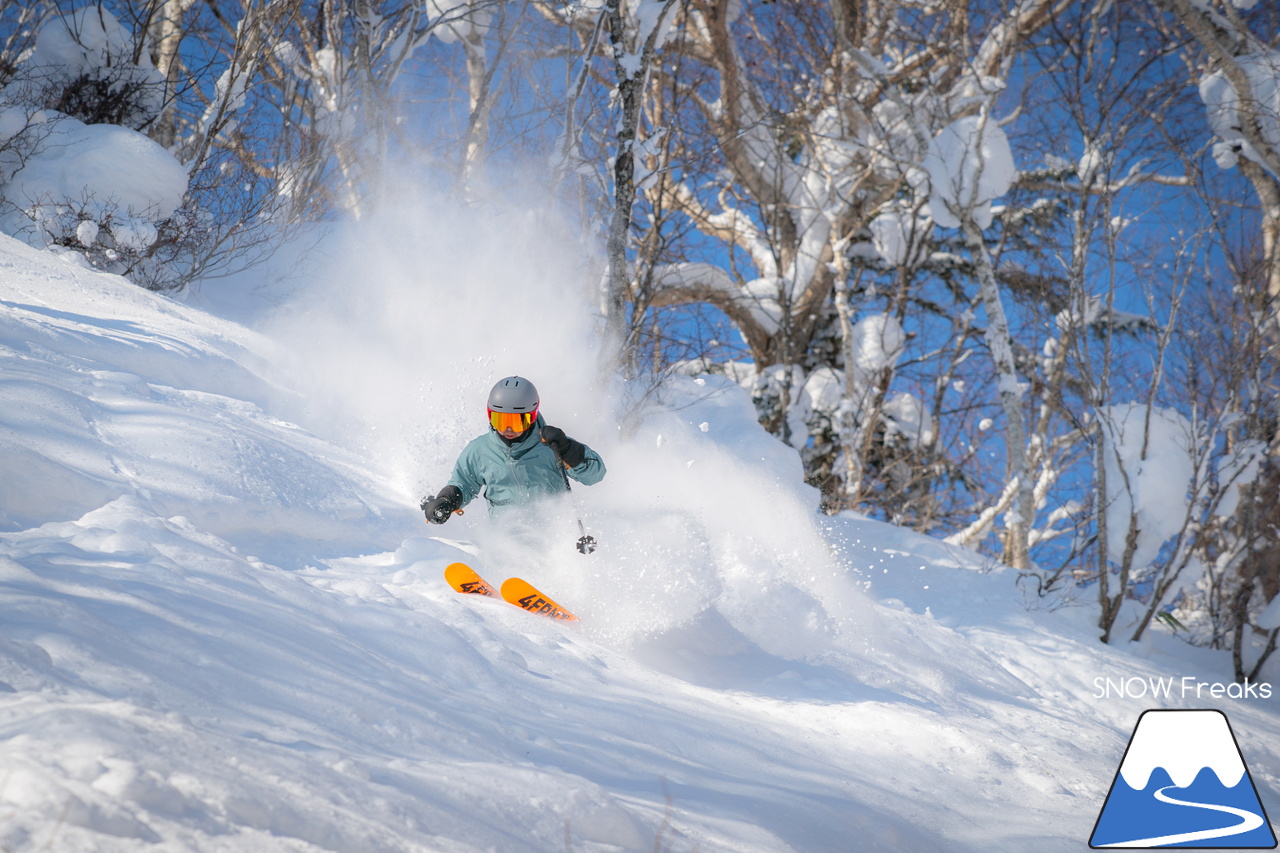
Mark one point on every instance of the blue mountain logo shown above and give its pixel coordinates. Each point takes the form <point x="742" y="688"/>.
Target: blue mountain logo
<point x="1183" y="783"/>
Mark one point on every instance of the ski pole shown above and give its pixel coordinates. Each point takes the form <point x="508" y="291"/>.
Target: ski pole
<point x="586" y="544"/>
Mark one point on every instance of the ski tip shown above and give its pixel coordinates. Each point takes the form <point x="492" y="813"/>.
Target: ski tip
<point x="464" y="579"/>
<point x="526" y="596"/>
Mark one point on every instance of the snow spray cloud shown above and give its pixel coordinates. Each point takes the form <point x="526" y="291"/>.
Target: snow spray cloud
<point x="704" y="521"/>
<point x="419" y="311"/>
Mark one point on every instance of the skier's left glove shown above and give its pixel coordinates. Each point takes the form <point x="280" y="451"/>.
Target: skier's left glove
<point x="572" y="452"/>
<point x="443" y="505"/>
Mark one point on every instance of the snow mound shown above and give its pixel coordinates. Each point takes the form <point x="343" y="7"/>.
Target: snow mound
<point x="111" y="390"/>
<point x="117" y="167"/>
<point x="970" y="165"/>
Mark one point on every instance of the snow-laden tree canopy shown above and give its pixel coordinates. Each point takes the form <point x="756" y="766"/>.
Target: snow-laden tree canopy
<point x="1150" y="465"/>
<point x="969" y="165"/>
<point x="1223" y="105"/>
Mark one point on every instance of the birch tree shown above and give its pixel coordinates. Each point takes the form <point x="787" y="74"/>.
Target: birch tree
<point x="166" y="26"/>
<point x="1232" y="60"/>
<point x="331" y="77"/>
<point x="635" y="31"/>
<point x="816" y="135"/>
<point x="1092" y="155"/>
<point x="1242" y="97"/>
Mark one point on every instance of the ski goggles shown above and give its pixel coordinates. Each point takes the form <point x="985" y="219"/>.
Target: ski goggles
<point x="517" y="421"/>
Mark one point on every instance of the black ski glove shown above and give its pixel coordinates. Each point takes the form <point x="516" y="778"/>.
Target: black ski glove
<point x="439" y="508"/>
<point x="570" y="451"/>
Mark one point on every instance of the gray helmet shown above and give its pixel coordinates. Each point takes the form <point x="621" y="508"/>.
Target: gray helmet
<point x="513" y="394"/>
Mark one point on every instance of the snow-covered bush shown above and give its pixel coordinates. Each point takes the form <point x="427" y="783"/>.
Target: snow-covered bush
<point x="99" y="188"/>
<point x="75" y="172"/>
<point x="87" y="65"/>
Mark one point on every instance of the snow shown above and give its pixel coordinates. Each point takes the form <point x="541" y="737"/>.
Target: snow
<point x="654" y="18"/>
<point x="65" y="182"/>
<point x="970" y="165"/>
<point x="890" y="139"/>
<point x="232" y="86"/>
<point x="115" y="164"/>
<point x="1239" y="470"/>
<point x="87" y="232"/>
<point x="814" y="399"/>
<point x="1222" y="105"/>
<point x="151" y="399"/>
<point x="761" y="298"/>
<point x="1269" y="619"/>
<point x="908" y="416"/>
<point x="226" y="627"/>
<point x="458" y="20"/>
<point x="74" y="173"/>
<point x="1149" y="468"/>
<point x="1092" y="162"/>
<point x="82" y="43"/>
<point x="895" y="234"/>
<point x="877" y="344"/>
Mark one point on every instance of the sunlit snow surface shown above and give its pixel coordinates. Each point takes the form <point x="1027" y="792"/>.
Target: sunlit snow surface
<point x="226" y="630"/>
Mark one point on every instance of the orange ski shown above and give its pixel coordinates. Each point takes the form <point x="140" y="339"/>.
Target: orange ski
<point x="464" y="579"/>
<point x="523" y="594"/>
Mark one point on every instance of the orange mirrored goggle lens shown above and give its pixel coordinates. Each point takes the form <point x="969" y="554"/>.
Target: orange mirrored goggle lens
<point x="518" y="421"/>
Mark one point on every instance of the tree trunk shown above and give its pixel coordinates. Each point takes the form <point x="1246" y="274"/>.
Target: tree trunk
<point x="624" y="188"/>
<point x="1022" y="514"/>
<point x="165" y="33"/>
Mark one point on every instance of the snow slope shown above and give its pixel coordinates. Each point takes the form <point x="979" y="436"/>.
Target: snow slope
<point x="223" y="632"/>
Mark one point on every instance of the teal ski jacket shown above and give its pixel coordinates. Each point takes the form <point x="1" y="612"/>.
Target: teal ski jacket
<point x="519" y="473"/>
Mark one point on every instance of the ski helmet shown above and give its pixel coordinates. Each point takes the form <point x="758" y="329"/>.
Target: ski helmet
<point x="513" y="394"/>
<point x="513" y="406"/>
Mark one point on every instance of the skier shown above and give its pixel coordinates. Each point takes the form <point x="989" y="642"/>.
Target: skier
<point x="519" y="459"/>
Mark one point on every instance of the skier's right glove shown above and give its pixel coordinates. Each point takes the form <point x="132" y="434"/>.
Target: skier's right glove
<point x="439" y="508"/>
